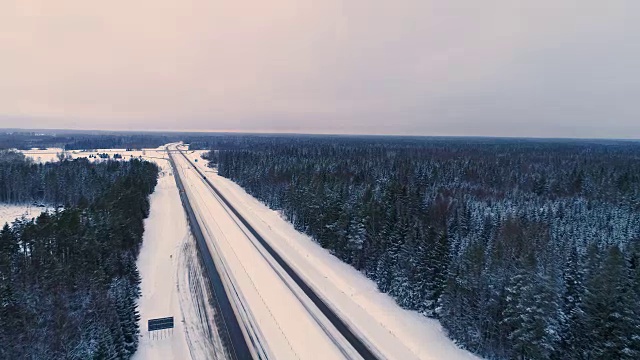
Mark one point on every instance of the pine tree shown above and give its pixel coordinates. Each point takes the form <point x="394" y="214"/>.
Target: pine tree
<point x="572" y="333"/>
<point x="531" y="316"/>
<point x="634" y="295"/>
<point x="500" y="207"/>
<point x="356" y="238"/>
<point x="106" y="349"/>
<point x="607" y="308"/>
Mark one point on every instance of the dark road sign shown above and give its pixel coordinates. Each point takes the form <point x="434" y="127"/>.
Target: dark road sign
<point x="160" y="324"/>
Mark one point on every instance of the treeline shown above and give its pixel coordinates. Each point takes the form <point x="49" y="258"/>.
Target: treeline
<point x="524" y="249"/>
<point x="76" y="182"/>
<point x="233" y="141"/>
<point x="24" y="140"/>
<point x="28" y="140"/>
<point x="68" y="279"/>
<point x="120" y="141"/>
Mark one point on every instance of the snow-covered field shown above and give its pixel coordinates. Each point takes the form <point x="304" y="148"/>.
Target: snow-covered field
<point x="51" y="154"/>
<point x="9" y="213"/>
<point x="397" y="333"/>
<point x="43" y="155"/>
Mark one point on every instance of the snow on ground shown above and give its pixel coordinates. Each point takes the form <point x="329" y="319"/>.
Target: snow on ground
<point x="172" y="280"/>
<point x="390" y="328"/>
<point x="173" y="284"/>
<point x="9" y="213"/>
<point x="193" y="287"/>
<point x="51" y="154"/>
<point x="165" y="231"/>
<point x="286" y="326"/>
<point x="43" y="155"/>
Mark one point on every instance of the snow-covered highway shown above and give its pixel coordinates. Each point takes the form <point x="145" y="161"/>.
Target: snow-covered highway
<point x="250" y="237"/>
<point x="278" y="319"/>
<point x="287" y="324"/>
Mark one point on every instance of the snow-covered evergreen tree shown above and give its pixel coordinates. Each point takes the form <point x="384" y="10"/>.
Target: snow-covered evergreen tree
<point x="449" y="223"/>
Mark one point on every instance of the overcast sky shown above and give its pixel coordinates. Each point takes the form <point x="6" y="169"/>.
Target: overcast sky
<point x="552" y="68"/>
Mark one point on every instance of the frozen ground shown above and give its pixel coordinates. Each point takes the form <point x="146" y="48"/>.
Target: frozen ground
<point x="9" y="213"/>
<point x="397" y="333"/>
<point x="165" y="232"/>
<point x="44" y="155"/>
<point x="51" y="154"/>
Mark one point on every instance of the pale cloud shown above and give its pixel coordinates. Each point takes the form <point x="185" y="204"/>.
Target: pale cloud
<point x="458" y="67"/>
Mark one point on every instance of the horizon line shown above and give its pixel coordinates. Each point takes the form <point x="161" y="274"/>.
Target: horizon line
<point x="293" y="132"/>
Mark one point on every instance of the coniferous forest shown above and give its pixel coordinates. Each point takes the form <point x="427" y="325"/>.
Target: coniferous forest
<point x="523" y="249"/>
<point x="73" y="140"/>
<point x="68" y="279"/>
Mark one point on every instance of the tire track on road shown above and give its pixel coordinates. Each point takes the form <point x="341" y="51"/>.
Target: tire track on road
<point x="358" y="344"/>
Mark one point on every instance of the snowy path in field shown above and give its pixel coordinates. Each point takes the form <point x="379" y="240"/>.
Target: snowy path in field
<point x="165" y="232"/>
<point x="397" y="333"/>
<point x="172" y="281"/>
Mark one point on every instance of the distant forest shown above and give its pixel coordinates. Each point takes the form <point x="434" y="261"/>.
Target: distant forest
<point x="23" y="140"/>
<point x="73" y="183"/>
<point x="68" y="279"/>
<point x="78" y="140"/>
<point x="524" y="249"/>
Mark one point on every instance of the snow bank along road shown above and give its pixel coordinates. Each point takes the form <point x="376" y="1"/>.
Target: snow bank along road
<point x="232" y="327"/>
<point x="173" y="283"/>
<point x="281" y="316"/>
<point x="395" y="333"/>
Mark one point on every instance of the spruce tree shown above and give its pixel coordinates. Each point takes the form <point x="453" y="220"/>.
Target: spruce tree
<point x="608" y="311"/>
